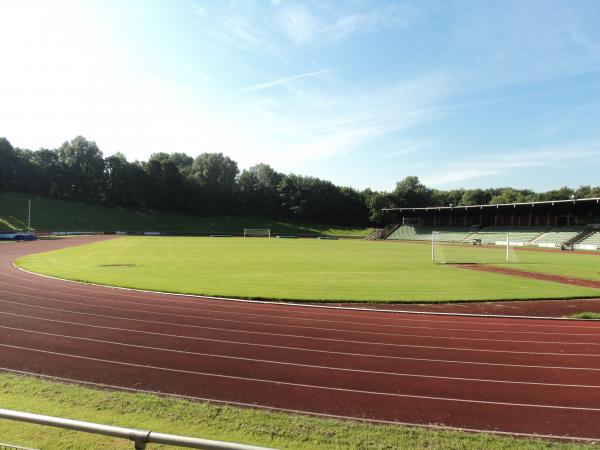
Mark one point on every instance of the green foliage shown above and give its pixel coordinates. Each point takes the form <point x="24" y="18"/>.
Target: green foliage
<point x="308" y="269"/>
<point x="211" y="184"/>
<point x="84" y="169"/>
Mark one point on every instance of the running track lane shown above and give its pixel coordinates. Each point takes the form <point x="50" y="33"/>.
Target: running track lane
<point x="480" y="373"/>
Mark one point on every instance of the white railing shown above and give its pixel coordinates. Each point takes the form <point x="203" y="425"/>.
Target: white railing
<point x="139" y="437"/>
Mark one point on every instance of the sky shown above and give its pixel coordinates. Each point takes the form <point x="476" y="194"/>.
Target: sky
<point x="362" y="93"/>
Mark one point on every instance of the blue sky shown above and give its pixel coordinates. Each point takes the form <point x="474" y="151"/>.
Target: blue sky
<point x="363" y="93"/>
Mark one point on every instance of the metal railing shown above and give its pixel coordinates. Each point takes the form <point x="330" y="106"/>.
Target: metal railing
<point x="139" y="437"/>
<point x="13" y="447"/>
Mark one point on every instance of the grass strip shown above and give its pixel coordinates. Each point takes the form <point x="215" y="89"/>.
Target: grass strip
<point x="586" y="315"/>
<point x="252" y="426"/>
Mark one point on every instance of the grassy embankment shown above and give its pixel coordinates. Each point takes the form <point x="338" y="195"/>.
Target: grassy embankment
<point x="250" y="426"/>
<point x="304" y="269"/>
<point x="58" y="215"/>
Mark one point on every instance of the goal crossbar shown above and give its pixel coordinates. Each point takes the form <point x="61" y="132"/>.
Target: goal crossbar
<point x="439" y="254"/>
<point x="257" y="232"/>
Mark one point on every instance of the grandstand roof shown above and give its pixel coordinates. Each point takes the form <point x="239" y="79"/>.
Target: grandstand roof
<point x="532" y="204"/>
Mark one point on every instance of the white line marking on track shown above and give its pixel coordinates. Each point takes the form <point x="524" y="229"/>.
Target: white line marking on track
<point x="323" y="307"/>
<point x="336" y="329"/>
<point x="302" y="349"/>
<point x="311" y="366"/>
<point x="346" y="341"/>
<point x="234" y="303"/>
<point x="216" y="311"/>
<point x="297" y="411"/>
<point x="302" y="385"/>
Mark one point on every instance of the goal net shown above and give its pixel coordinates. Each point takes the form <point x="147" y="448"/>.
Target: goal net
<point x="257" y="232"/>
<point x="472" y="252"/>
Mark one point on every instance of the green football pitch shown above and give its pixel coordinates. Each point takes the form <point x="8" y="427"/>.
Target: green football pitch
<point x="311" y="269"/>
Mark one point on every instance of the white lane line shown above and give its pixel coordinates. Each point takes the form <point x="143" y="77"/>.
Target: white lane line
<point x="303" y="385"/>
<point x="302" y="349"/>
<point x="421" y="336"/>
<point x="85" y="290"/>
<point x="231" y="303"/>
<point x="310" y="366"/>
<point x="329" y="329"/>
<point x="217" y="311"/>
<point x="345" y="341"/>
<point x="436" y="427"/>
<point x="415" y="314"/>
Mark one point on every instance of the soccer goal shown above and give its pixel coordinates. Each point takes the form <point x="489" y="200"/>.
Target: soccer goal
<point x="472" y="251"/>
<point x="257" y="232"/>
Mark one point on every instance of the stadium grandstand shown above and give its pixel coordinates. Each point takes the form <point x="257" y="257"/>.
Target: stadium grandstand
<point x="572" y="223"/>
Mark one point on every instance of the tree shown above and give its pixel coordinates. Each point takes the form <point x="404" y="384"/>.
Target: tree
<point x="588" y="192"/>
<point x="50" y="177"/>
<point x="510" y="195"/>
<point x="215" y="176"/>
<point x="475" y="197"/>
<point x="258" y="189"/>
<point x="376" y="202"/>
<point x="84" y="169"/>
<point x="182" y="161"/>
<point x="8" y="159"/>
<point x="410" y="192"/>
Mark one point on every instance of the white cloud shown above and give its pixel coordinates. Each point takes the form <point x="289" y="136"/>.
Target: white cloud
<point x="479" y="167"/>
<point x="299" y="24"/>
<point x="408" y="146"/>
<point x="391" y="16"/>
<point x="284" y="81"/>
<point x="303" y="27"/>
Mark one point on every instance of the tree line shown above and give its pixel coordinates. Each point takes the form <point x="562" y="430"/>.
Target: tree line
<point x="211" y="183"/>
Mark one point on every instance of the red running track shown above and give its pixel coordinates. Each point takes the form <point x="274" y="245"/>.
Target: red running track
<point x="518" y="376"/>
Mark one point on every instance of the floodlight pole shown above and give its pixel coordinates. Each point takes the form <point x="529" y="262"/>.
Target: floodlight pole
<point x="29" y="217"/>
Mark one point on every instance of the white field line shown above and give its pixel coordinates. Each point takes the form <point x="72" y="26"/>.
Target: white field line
<point x="217" y="311"/>
<point x="302" y="349"/>
<point x="302" y="385"/>
<point x="297" y="411"/>
<point x="345" y="341"/>
<point x="276" y="325"/>
<point x="304" y="305"/>
<point x="310" y="366"/>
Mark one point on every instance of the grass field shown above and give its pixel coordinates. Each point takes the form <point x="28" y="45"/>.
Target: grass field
<point x="579" y="265"/>
<point x="248" y="426"/>
<point x="305" y="269"/>
<point x="59" y="215"/>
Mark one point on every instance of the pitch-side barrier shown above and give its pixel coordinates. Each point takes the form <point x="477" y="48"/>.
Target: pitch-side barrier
<point x="140" y="438"/>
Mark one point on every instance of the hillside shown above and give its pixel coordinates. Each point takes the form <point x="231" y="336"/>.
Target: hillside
<point x="60" y="215"/>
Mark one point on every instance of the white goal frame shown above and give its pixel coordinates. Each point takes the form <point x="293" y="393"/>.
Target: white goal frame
<point x="257" y="232"/>
<point x="435" y="240"/>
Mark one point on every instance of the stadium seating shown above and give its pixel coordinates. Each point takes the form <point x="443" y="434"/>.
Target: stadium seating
<point x="593" y="239"/>
<point x="417" y="233"/>
<point x="556" y="237"/>
<point x="492" y="235"/>
<point x="538" y="236"/>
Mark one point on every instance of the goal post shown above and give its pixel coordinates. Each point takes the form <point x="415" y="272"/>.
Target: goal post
<point x="257" y="232"/>
<point x="450" y="250"/>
